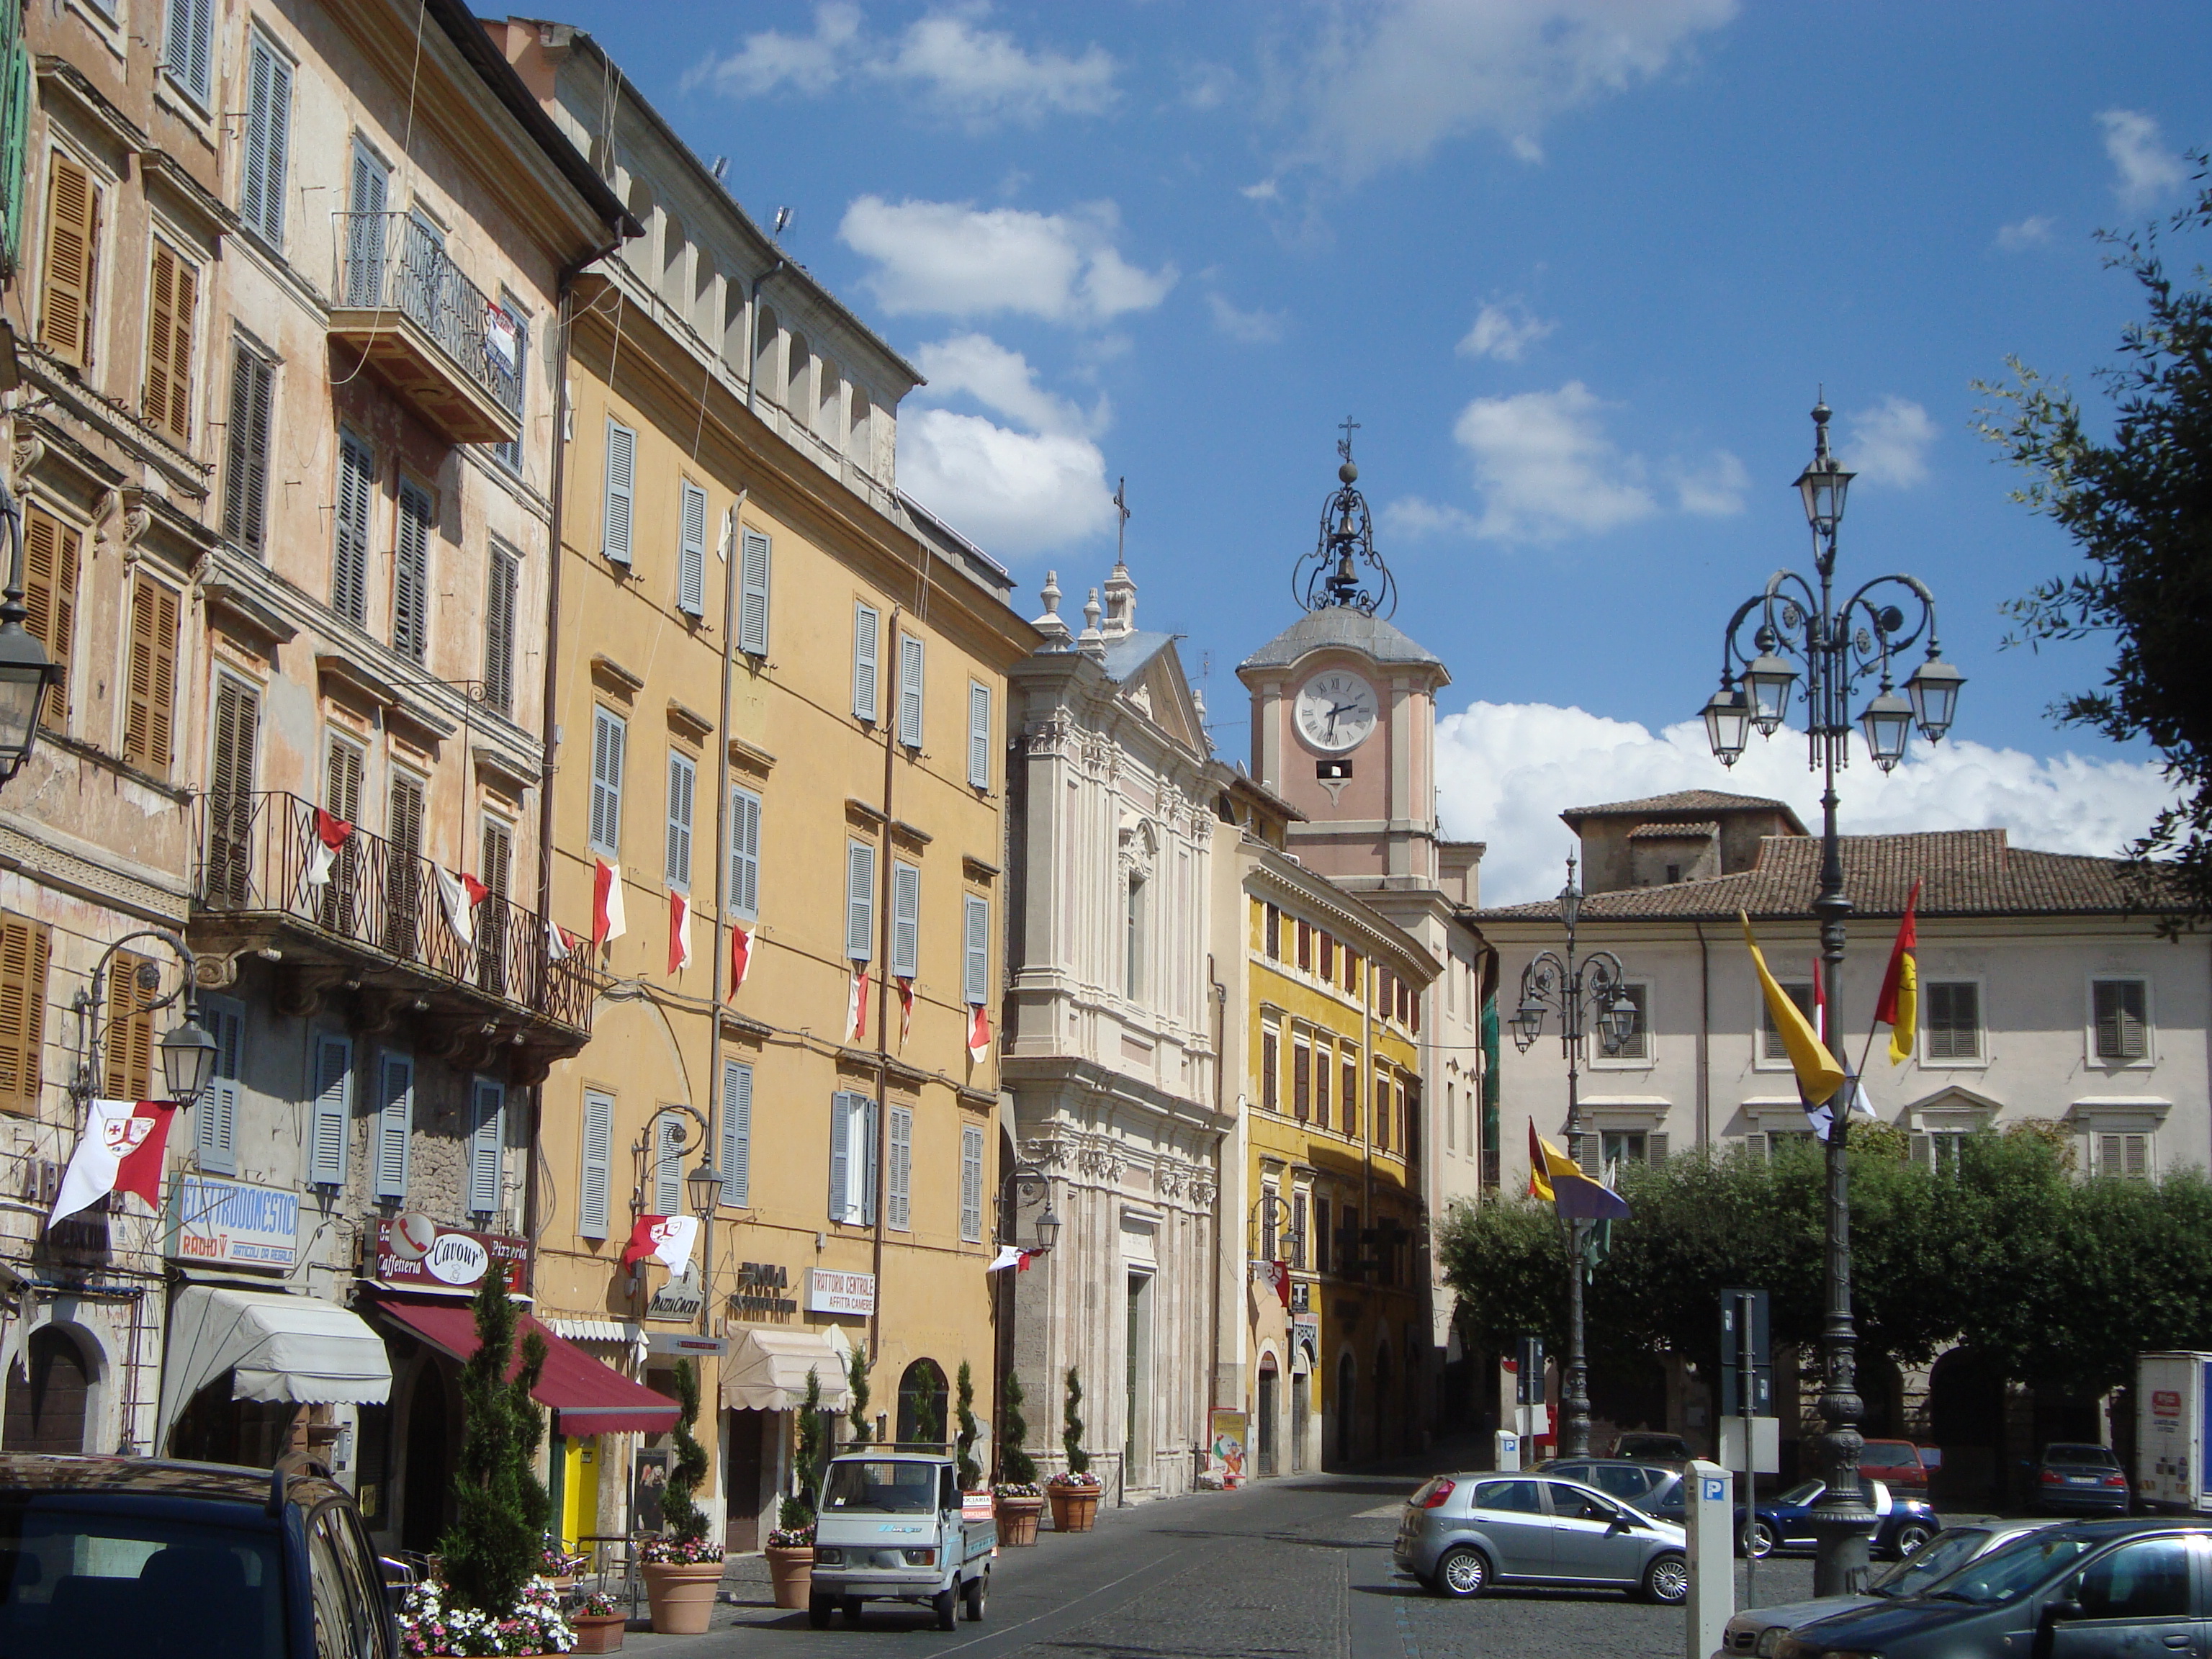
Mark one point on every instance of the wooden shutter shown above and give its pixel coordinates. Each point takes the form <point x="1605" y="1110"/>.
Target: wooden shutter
<point x="900" y="1214"/>
<point x="245" y="468"/>
<point x="267" y="122"/>
<point x="752" y="603"/>
<point x="906" y="922"/>
<point x="1270" y="1070"/>
<point x="744" y="854"/>
<point x="859" y="902"/>
<point x="411" y="576"/>
<point x="503" y="576"/>
<point x="979" y="736"/>
<point x="495" y="869"/>
<point x="976" y="953"/>
<point x="691" y="554"/>
<point x="598" y="1159"/>
<point x="72" y="247"/>
<point x="1655" y="1147"/>
<point x="1300" y="1080"/>
<point x="486" y="1142"/>
<point x="128" y="1073"/>
<point x="910" y="660"/>
<point x="349" y="561"/>
<point x="230" y="791"/>
<point x="840" y="1155"/>
<point x="1348" y="1097"/>
<point x="622" y="463"/>
<point x="215" y="1128"/>
<point x="864" y="642"/>
<point x="172" y="304"/>
<point x="51" y="552"/>
<point x="331" y="1122"/>
<point x="25" y="946"/>
<point x="395" y="1124"/>
<point x="608" y="733"/>
<point x="737" y="1133"/>
<point x="2121" y="1007"/>
<point x="403" y="871"/>
<point x="150" y="691"/>
<point x="668" y="1164"/>
<point x="971" y="1183"/>
<point x="1323" y="1064"/>
<point x="342" y="782"/>
<point x="682" y="782"/>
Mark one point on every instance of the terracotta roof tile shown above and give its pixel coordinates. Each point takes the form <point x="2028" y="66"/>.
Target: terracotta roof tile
<point x="1675" y="831"/>
<point x="1682" y="800"/>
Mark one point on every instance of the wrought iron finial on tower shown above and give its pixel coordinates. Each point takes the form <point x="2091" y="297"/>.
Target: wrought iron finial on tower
<point x="1344" y="569"/>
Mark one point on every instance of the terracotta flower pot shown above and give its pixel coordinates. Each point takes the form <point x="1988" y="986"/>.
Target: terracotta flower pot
<point x="791" y="1571"/>
<point x="1018" y="1520"/>
<point x="599" y="1632"/>
<point x="1074" y="1509"/>
<point x="682" y="1594"/>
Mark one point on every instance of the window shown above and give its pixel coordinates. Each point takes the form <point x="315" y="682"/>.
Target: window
<point x="909" y="691"/>
<point x="1270" y="1068"/>
<point x="150" y="688"/>
<point x="404" y="805"/>
<point x="1322" y="1066"/>
<point x="1350" y="1097"/>
<point x="1271" y="933"/>
<point x="599" y="1162"/>
<point x="1633" y="1146"/>
<point x="245" y="467"/>
<point x="72" y="253"/>
<point x="268" y="124"/>
<point x="51" y="550"/>
<point x="410" y="573"/>
<point x="865" y="643"/>
<point x="900" y="1216"/>
<point x="1771" y="1050"/>
<point x="853" y="1159"/>
<point x="25" y="946"/>
<point x="906" y="921"/>
<point x="171" y="305"/>
<point x="1951" y="1019"/>
<point x="1301" y="1078"/>
<point x="971" y="1183"/>
<point x="1638" y="1043"/>
<point x="231" y="744"/>
<point x="395" y="1122"/>
<point x="976" y="953"/>
<point x="330" y="1125"/>
<point x="349" y="554"/>
<point x="1379" y="1119"/>
<point x="503" y="573"/>
<point x="737" y="1133"/>
<point x="495" y="869"/>
<point x="609" y="732"/>
<point x="692" y="553"/>
<point x="1298" y="1231"/>
<point x="215" y="1127"/>
<point x="2145" y="1581"/>
<point x="2121" y="1007"/>
<point x="1328" y="958"/>
<point x="683" y="781"/>
<point x="979" y="735"/>
<point x="1269" y="1230"/>
<point x="752" y="599"/>
<point x="668" y="1138"/>
<point x="128" y="1039"/>
<point x="614" y="523"/>
<point x="744" y="854"/>
<point x="1305" y="947"/>
<point x="2118" y="1153"/>
<point x="1938" y="1149"/>
<point x="191" y="47"/>
<point x="365" y="252"/>
<point x="507" y="337"/>
<point x="487" y="1138"/>
<point x="859" y="902"/>
<point x="1134" y="985"/>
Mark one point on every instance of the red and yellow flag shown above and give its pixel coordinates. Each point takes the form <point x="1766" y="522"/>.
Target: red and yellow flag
<point x="1899" y="1005"/>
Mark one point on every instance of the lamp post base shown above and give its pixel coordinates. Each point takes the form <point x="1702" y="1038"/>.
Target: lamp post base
<point x="1843" y="1548"/>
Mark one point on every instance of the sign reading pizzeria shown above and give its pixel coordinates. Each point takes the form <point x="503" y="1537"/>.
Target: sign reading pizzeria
<point x="415" y="1253"/>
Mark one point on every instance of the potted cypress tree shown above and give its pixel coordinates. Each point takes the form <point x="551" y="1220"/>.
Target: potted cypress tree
<point x="964" y="1445"/>
<point x="790" y="1549"/>
<point x="683" y="1570"/>
<point x="1019" y="1500"/>
<point x="1074" y="1491"/>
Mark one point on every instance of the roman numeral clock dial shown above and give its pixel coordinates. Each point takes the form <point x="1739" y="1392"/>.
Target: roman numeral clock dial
<point x="1335" y="711"/>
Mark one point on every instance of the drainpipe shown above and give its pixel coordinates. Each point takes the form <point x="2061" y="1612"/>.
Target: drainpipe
<point x="1224" y="1142"/>
<point x="720" y="967"/>
<point x="752" y="335"/>
<point x="889" y="708"/>
<point x="1704" y="1040"/>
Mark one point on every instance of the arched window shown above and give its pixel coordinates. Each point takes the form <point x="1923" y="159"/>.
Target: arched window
<point x="921" y="1403"/>
<point x="1136" y="988"/>
<point x="49" y="1389"/>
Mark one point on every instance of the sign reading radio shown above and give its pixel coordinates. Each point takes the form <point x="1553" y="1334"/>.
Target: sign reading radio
<point x="764" y="1287"/>
<point x="234" y="1222"/>
<point x="840" y="1293"/>
<point x="415" y="1253"/>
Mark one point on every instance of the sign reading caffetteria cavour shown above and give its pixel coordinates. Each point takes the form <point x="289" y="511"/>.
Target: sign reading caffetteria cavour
<point x="416" y="1253"/>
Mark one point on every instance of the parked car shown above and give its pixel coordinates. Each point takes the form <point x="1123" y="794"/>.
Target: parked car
<point x="1463" y="1533"/>
<point x="1759" y="1631"/>
<point x="890" y="1528"/>
<point x="2079" y="1479"/>
<point x="2073" y="1591"/>
<point x="1655" y="1488"/>
<point x="1897" y="1464"/>
<point x="1653" y="1448"/>
<point x="126" y="1555"/>
<point x="1783" y="1524"/>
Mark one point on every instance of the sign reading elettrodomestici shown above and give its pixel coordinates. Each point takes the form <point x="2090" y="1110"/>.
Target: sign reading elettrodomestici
<point x="840" y="1293"/>
<point x="416" y="1253"/>
<point x="233" y="1222"/>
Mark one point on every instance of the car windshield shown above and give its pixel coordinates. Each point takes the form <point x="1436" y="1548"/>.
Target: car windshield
<point x="1806" y="1493"/>
<point x="1933" y="1562"/>
<point x="2095" y="1457"/>
<point x="95" y="1579"/>
<point x="885" y="1487"/>
<point x="2012" y="1570"/>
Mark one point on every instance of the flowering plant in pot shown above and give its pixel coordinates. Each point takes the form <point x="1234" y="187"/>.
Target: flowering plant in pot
<point x="599" y="1622"/>
<point x="560" y="1566"/>
<point x="1074" y="1491"/>
<point x="431" y="1621"/>
<point x="682" y="1568"/>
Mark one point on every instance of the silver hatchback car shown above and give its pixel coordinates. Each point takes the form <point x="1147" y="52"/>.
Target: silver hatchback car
<point x="1463" y="1533"/>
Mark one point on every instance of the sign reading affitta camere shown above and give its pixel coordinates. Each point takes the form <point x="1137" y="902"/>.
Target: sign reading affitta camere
<point x="414" y="1252"/>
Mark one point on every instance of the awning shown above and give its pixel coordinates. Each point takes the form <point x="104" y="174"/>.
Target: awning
<point x="586" y="1396"/>
<point x="767" y="1367"/>
<point x="277" y="1347"/>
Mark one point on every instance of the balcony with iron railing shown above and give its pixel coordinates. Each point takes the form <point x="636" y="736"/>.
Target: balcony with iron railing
<point x="424" y="329"/>
<point x="377" y="927"/>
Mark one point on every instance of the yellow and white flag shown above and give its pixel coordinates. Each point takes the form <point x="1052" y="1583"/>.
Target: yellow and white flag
<point x="1819" y="1076"/>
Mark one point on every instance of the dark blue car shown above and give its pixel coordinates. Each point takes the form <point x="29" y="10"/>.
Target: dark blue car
<point x="1783" y="1524"/>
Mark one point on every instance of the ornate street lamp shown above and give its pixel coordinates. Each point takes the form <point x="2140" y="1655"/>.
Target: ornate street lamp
<point x="1727" y="722"/>
<point x="704" y="1186"/>
<point x="26" y="670"/>
<point x="1839" y="645"/>
<point x="188" y="1053"/>
<point x="187" y="1059"/>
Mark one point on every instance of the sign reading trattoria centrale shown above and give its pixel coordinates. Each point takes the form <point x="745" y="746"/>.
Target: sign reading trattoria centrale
<point x="415" y="1253"/>
<point x="827" y="1291"/>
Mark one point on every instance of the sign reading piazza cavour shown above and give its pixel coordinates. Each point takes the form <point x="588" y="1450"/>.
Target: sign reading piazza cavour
<point x="415" y="1253"/>
<point x="231" y="1223"/>
<point x="840" y="1293"/>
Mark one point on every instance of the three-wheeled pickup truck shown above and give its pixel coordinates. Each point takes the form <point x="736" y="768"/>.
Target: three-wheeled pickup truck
<point x="890" y="1528"/>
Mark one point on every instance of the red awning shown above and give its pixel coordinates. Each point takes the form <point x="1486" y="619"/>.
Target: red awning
<point x="586" y="1396"/>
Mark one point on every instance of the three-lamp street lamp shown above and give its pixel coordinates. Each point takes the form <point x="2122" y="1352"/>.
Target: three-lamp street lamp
<point x="1802" y="631"/>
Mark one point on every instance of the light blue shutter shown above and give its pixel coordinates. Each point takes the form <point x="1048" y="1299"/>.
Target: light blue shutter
<point x="486" y="1142"/>
<point x="902" y="1171"/>
<point x="215" y="1134"/>
<point x="979" y="736"/>
<point x="840" y="1155"/>
<point x="187" y="58"/>
<point x="752" y="600"/>
<point x="859" y="902"/>
<point x="668" y="1164"/>
<point x="598" y="1161"/>
<point x="865" y="643"/>
<point x="910" y="653"/>
<point x="395" y="1122"/>
<point x="332" y="1118"/>
<point x="608" y="733"/>
<point x="268" y="123"/>
<point x="737" y="1133"/>
<point x="411" y="576"/>
<point x="365" y="249"/>
<point x="870" y="1153"/>
<point x="744" y="854"/>
<point x="906" y="922"/>
<point x="975" y="967"/>
<point x="349" y="565"/>
<point x="691" y="555"/>
<point x="621" y="462"/>
<point x="682" y="777"/>
<point x="971" y="1183"/>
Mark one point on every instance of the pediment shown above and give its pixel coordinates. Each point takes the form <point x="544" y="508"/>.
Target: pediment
<point x="1159" y="692"/>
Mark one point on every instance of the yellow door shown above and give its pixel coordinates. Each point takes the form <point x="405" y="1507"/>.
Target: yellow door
<point x="579" y="1492"/>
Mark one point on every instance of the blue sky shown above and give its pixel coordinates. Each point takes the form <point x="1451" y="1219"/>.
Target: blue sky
<point x="1576" y="267"/>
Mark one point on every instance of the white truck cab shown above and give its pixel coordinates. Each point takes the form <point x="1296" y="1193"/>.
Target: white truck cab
<point x="889" y="1527"/>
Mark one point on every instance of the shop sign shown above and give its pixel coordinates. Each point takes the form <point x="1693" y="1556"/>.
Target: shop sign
<point x="1305" y="1335"/>
<point x="840" y="1293"/>
<point x="415" y="1253"/>
<point x="1301" y="1296"/>
<point x="232" y="1223"/>
<point x="764" y="1287"/>
<point x="1224" y="1452"/>
<point x="678" y="1298"/>
<point x="683" y="1345"/>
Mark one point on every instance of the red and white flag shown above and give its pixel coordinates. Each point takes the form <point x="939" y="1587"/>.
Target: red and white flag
<point x="560" y="943"/>
<point x="979" y="1034"/>
<point x="679" y="932"/>
<point x="741" y="956"/>
<point x="607" y="922"/>
<point x="667" y="1238"/>
<point x="120" y="1151"/>
<point x="461" y="895"/>
<point x="856" y="1006"/>
<point x="906" y="1008"/>
<point x="330" y="834"/>
<point x="1010" y="1255"/>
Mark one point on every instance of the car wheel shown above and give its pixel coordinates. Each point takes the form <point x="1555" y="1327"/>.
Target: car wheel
<point x="852" y="1609"/>
<point x="818" y="1609"/>
<point x="1758" y="1540"/>
<point x="1463" y="1573"/>
<point x="1666" y="1579"/>
<point x="974" y="1595"/>
<point x="1911" y="1536"/>
<point x="944" y="1604"/>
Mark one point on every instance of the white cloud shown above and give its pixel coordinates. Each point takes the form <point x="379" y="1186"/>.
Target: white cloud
<point x="1713" y="488"/>
<point x="1410" y="518"/>
<point x="1504" y="331"/>
<point x="1014" y="493"/>
<point x="2031" y="232"/>
<point x="2147" y="168"/>
<point x="1255" y="327"/>
<point x="1267" y="190"/>
<point x="1889" y="443"/>
<point x="953" y="259"/>
<point x="980" y="368"/>
<point x="1387" y="83"/>
<point x="1546" y="467"/>
<point x="1505" y="771"/>
<point x="766" y="61"/>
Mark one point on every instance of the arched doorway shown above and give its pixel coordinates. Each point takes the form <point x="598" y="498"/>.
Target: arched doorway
<point x="1263" y="1430"/>
<point x="49" y="1389"/>
<point x="1346" y="1374"/>
<point x="429" y="1470"/>
<point x="921" y="1401"/>
<point x="1382" y="1392"/>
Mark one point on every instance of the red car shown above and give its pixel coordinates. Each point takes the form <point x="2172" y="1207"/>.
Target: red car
<point x="1897" y="1463"/>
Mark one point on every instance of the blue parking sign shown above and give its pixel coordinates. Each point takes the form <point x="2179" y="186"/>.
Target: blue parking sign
<point x="1715" y="1489"/>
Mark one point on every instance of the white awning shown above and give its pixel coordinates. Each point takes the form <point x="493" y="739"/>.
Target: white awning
<point x="767" y="1367"/>
<point x="298" y="1348"/>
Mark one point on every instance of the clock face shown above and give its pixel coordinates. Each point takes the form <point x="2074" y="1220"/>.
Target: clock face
<point x="1335" y="711"/>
